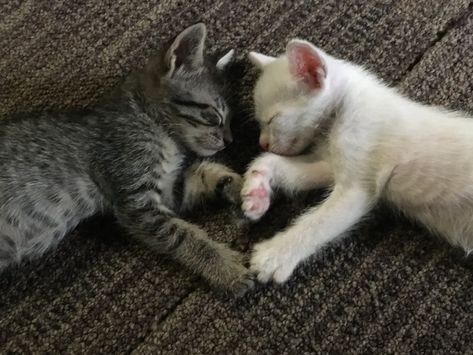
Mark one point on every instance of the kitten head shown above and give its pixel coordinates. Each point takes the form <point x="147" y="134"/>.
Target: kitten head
<point x="191" y="91"/>
<point x="290" y="97"/>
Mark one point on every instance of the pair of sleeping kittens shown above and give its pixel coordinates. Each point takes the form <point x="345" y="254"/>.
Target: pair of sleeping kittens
<point x="142" y="155"/>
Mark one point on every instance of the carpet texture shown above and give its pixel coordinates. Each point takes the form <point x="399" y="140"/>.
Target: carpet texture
<point x="388" y="288"/>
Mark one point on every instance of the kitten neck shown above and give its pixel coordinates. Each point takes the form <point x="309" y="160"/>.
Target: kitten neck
<point x="348" y="89"/>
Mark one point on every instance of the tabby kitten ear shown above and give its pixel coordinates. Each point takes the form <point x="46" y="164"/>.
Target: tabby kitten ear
<point x="227" y="58"/>
<point x="187" y="50"/>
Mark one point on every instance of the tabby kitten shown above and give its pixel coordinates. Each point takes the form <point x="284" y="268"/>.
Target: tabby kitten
<point x="138" y="155"/>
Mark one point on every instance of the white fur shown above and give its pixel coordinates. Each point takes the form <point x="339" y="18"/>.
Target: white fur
<point x="378" y="145"/>
<point x="260" y="60"/>
<point x="227" y="58"/>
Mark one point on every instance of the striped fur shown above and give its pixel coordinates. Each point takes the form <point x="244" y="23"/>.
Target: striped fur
<point x="137" y="154"/>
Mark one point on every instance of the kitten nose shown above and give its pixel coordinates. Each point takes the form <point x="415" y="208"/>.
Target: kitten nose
<point x="227" y="136"/>
<point x="228" y="140"/>
<point x="264" y="144"/>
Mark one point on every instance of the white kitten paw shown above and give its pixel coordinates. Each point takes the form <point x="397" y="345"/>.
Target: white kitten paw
<point x="255" y="194"/>
<point x="272" y="260"/>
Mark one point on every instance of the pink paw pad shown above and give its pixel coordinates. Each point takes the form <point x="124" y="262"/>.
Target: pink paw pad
<point x="260" y="191"/>
<point x="255" y="195"/>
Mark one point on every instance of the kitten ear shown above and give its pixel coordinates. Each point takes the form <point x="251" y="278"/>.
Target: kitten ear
<point x="227" y="58"/>
<point x="306" y="64"/>
<point x="260" y="60"/>
<point x="187" y="50"/>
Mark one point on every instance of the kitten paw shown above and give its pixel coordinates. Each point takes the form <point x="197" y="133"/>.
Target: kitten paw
<point x="256" y="195"/>
<point x="229" y="187"/>
<point x="231" y="276"/>
<point x="272" y="260"/>
<point x="242" y="286"/>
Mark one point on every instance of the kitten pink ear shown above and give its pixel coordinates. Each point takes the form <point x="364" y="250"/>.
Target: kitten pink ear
<point x="306" y="64"/>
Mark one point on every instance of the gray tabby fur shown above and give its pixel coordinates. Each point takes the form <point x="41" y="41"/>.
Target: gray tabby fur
<point x="138" y="154"/>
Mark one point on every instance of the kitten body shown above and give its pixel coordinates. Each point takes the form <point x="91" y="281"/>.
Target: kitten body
<point x="330" y="123"/>
<point x="139" y="154"/>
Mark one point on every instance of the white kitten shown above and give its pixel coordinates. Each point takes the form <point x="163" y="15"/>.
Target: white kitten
<point x="326" y="121"/>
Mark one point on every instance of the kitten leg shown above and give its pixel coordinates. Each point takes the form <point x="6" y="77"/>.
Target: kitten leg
<point x="188" y="244"/>
<point x="291" y="174"/>
<point x="206" y="180"/>
<point x="276" y="258"/>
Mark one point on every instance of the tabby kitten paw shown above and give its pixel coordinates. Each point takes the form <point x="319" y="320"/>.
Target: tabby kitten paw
<point x="231" y="276"/>
<point x="229" y="187"/>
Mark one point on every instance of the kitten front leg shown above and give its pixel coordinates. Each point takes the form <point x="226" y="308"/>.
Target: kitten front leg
<point x="290" y="174"/>
<point x="206" y="180"/>
<point x="167" y="234"/>
<point x="276" y="258"/>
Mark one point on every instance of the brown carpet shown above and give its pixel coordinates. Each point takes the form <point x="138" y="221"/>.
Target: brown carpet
<point x="389" y="288"/>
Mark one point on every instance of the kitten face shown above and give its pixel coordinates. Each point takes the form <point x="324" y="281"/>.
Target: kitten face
<point x="194" y="88"/>
<point x="200" y="113"/>
<point x="289" y="98"/>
